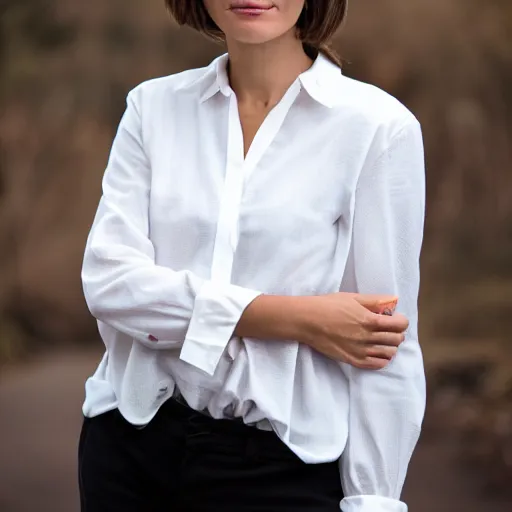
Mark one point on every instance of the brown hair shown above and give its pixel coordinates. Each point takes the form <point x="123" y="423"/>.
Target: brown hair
<point x="317" y="24"/>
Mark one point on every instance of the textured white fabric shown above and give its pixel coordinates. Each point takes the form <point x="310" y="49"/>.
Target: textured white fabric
<point x="372" y="504"/>
<point x="188" y="233"/>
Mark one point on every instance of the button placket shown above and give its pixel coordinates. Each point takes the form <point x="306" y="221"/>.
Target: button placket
<point x="264" y="137"/>
<point x="223" y="252"/>
<point x="238" y="170"/>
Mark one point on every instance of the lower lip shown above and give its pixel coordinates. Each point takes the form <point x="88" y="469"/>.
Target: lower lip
<point x="248" y="11"/>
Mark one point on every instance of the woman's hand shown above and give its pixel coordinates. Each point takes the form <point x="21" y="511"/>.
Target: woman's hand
<point x="349" y="327"/>
<point x="346" y="327"/>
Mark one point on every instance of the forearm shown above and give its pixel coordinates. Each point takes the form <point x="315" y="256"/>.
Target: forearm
<point x="155" y="305"/>
<point x="271" y="317"/>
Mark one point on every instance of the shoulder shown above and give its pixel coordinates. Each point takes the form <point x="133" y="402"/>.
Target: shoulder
<point x="165" y="87"/>
<point x="372" y="109"/>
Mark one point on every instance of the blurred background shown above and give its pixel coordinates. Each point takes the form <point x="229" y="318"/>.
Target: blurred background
<point x="65" y="69"/>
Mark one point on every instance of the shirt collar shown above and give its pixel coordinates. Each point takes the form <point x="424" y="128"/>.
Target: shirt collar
<point x="216" y="79"/>
<point x="321" y="81"/>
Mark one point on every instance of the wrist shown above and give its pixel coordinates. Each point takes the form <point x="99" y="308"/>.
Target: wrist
<point x="303" y="319"/>
<point x="291" y="318"/>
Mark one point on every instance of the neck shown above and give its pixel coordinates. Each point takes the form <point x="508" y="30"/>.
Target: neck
<point x="263" y="72"/>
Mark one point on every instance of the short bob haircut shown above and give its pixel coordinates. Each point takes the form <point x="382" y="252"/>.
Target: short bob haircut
<point x="316" y="27"/>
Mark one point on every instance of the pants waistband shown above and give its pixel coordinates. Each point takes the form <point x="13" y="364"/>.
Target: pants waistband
<point x="177" y="408"/>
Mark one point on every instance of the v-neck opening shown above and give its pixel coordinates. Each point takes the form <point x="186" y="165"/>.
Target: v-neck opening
<point x="267" y="130"/>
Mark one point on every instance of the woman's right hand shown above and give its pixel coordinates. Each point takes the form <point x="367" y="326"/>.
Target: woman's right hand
<point x="347" y="327"/>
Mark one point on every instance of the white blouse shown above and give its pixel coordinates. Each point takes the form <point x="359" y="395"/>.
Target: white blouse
<point x="188" y="232"/>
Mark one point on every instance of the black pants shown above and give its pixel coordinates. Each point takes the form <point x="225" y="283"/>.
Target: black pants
<point x="185" y="461"/>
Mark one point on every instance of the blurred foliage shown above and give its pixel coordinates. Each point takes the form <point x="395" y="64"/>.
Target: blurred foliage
<point x="66" y="66"/>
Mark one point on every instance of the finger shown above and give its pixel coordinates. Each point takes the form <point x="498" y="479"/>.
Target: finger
<point x="396" y="323"/>
<point x="371" y="363"/>
<point x="379" y="304"/>
<point x="391" y="339"/>
<point x="381" y="352"/>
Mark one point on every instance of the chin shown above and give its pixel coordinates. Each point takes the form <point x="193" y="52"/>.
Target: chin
<point x="253" y="39"/>
<point x="253" y="34"/>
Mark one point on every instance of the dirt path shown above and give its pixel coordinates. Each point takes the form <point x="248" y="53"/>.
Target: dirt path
<point x="39" y="424"/>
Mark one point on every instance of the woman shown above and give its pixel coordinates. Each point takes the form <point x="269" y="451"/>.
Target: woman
<point x="245" y="208"/>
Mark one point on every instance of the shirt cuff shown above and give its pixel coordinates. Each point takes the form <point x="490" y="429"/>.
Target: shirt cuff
<point x="372" y="504"/>
<point x="217" y="311"/>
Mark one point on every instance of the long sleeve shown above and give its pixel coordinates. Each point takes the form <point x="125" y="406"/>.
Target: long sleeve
<point x="387" y="406"/>
<point x="123" y="286"/>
